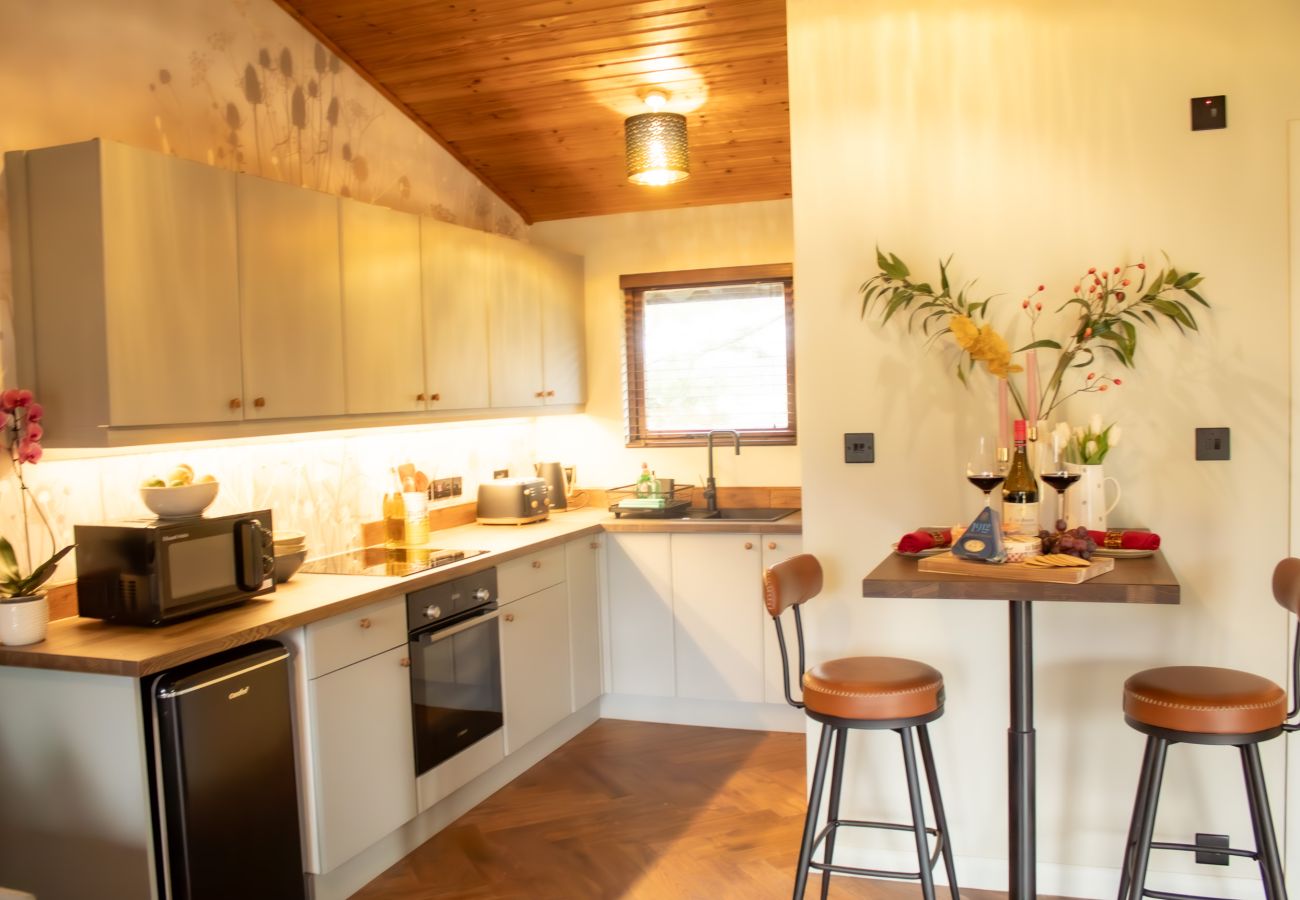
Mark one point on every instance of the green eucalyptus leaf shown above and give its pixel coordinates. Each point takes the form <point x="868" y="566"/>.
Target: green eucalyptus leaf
<point x="1051" y="345"/>
<point x="943" y="274"/>
<point x="1197" y="297"/>
<point x="899" y="266"/>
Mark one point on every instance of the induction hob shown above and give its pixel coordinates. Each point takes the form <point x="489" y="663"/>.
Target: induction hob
<point x="392" y="562"/>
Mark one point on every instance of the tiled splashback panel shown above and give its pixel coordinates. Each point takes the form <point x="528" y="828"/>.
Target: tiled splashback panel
<point x="325" y="486"/>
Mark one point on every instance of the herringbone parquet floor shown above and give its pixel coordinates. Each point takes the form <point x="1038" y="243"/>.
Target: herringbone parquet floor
<point x="637" y="811"/>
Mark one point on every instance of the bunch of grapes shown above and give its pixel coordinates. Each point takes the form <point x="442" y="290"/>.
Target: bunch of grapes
<point x="1073" y="543"/>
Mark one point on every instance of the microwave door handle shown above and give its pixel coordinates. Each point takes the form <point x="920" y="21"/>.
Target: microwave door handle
<point x="248" y="562"/>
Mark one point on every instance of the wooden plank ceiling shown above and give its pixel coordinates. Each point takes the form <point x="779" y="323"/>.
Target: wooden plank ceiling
<point x="532" y="94"/>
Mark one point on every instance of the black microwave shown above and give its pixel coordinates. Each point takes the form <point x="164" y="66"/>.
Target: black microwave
<point x="152" y="571"/>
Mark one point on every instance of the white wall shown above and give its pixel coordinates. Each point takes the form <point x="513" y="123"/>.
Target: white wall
<point x="738" y="234"/>
<point x="1033" y="140"/>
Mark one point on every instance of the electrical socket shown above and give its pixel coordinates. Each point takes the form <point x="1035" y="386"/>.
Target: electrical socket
<point x="859" y="447"/>
<point x="455" y="486"/>
<point x="500" y="473"/>
<point x="443" y="488"/>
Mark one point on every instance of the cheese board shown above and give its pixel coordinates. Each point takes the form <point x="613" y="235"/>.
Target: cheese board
<point x="951" y="565"/>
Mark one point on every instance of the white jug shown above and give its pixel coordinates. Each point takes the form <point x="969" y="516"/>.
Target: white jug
<point x="1085" y="501"/>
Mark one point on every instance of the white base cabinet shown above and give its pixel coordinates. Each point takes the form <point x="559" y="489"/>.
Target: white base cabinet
<point x="640" y="603"/>
<point x="356" y="723"/>
<point x="582" y="567"/>
<point x="686" y="617"/>
<point x="535" y="664"/>
<point x="365" y="774"/>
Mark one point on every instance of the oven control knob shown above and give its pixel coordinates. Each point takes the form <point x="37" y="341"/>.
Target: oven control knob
<point x="482" y="595"/>
<point x="433" y="612"/>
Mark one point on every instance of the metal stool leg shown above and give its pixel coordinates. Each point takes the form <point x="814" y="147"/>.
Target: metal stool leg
<point x="814" y="805"/>
<point x="918" y="815"/>
<point x="1270" y="865"/>
<point x="936" y="802"/>
<point x="1139" y="803"/>
<point x="833" y="812"/>
<point x="1142" y="850"/>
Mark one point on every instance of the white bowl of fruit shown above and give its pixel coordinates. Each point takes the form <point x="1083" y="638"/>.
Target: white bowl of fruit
<point x="179" y="494"/>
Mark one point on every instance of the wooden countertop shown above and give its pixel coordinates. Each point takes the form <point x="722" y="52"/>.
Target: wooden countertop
<point x="92" y="646"/>
<point x="1148" y="580"/>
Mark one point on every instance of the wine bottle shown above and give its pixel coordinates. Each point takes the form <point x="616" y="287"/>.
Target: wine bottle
<point x="1020" y="490"/>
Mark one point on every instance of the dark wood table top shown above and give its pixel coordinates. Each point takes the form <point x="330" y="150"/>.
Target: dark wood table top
<point x="1148" y="580"/>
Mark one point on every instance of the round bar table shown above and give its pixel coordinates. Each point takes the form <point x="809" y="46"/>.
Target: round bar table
<point x="1147" y="580"/>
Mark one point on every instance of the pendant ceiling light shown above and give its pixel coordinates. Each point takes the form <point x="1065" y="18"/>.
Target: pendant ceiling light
<point x="656" y="145"/>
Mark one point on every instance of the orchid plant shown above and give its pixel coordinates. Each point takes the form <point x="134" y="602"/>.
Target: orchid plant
<point x="1110" y="305"/>
<point x="22" y="436"/>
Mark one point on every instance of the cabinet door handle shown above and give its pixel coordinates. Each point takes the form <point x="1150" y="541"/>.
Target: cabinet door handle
<point x="550" y="393"/>
<point x="236" y="403"/>
<point x="364" y="623"/>
<point x="540" y="394"/>
<point x="771" y="545"/>
<point x="406" y="662"/>
<point x="419" y="397"/>
<point x="435" y="397"/>
<point x="259" y="402"/>
<point x="537" y="564"/>
<point x="595" y="545"/>
<point x="749" y="545"/>
<point x="509" y="617"/>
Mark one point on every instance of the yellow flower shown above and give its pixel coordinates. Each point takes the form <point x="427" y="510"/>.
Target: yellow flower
<point x="983" y="344"/>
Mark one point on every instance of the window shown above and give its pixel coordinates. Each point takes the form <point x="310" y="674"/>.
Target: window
<point x="708" y="350"/>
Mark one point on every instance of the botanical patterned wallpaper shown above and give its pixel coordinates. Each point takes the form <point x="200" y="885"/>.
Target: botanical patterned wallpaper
<point x="236" y="84"/>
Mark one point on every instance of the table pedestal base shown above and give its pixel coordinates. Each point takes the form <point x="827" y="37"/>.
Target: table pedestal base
<point x="1021" y="828"/>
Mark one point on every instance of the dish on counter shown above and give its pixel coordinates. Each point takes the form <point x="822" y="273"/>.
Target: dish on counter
<point x="1123" y="554"/>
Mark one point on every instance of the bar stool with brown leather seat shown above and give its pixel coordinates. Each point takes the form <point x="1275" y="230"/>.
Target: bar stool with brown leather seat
<point x="1203" y="705"/>
<point x="865" y="693"/>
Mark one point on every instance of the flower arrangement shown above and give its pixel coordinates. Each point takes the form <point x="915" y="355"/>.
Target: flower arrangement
<point x="1111" y="305"/>
<point x="1087" y="444"/>
<point x="22" y="435"/>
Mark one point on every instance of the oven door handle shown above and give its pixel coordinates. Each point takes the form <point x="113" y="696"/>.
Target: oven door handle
<point x="435" y="634"/>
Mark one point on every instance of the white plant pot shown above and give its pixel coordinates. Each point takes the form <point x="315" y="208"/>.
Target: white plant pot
<point x="24" y="620"/>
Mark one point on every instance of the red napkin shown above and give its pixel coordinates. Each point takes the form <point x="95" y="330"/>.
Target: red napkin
<point x="924" y="540"/>
<point x="1126" y="540"/>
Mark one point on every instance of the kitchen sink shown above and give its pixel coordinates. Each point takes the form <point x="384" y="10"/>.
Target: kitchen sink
<point x="741" y="514"/>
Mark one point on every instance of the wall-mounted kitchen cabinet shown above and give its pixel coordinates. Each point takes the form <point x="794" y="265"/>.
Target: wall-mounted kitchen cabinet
<point x="291" y="307"/>
<point x="383" y="342"/>
<point x="457" y="267"/>
<point x="127" y="296"/>
<point x="158" y="299"/>
<point x="564" y="354"/>
<point x="536" y="328"/>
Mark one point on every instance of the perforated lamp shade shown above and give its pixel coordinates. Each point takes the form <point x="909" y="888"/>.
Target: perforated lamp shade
<point x="656" y="148"/>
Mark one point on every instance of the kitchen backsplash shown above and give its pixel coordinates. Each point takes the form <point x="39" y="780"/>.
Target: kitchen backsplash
<point x="325" y="486"/>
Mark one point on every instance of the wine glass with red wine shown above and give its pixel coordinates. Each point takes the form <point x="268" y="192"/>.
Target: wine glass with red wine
<point x="1055" y="472"/>
<point x="985" y="469"/>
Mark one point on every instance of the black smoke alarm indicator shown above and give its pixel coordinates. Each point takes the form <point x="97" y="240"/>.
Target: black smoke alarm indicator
<point x="1209" y="112"/>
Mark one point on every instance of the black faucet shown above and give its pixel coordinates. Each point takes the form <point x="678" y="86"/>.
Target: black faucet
<point x="711" y="486"/>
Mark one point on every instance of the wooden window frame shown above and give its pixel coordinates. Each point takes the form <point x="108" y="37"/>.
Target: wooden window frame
<point x="634" y="288"/>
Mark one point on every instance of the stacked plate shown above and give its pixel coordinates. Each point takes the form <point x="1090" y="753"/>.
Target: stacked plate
<point x="290" y="551"/>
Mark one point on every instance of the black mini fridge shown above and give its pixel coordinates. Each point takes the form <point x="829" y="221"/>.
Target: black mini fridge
<point x="225" y="780"/>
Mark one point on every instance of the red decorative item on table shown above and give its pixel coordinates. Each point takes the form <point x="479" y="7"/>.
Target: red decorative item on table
<point x="1116" y="539"/>
<point x="924" y="539"/>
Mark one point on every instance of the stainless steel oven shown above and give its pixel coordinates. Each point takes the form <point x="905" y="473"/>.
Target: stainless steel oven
<point x="455" y="655"/>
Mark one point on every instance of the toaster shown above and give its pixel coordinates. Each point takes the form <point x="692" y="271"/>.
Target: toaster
<point x="512" y="501"/>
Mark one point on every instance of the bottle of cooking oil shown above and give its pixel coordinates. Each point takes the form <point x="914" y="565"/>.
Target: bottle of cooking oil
<point x="394" y="521"/>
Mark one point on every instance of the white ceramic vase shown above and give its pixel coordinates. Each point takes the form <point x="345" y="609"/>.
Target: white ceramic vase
<point x="1086" y="502"/>
<point x="24" y="620"/>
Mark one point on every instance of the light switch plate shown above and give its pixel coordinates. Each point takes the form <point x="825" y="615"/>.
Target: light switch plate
<point x="1213" y="443"/>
